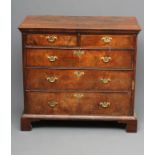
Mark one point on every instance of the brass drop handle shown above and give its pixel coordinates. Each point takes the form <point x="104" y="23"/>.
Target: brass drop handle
<point x="52" y="58"/>
<point x="106" y="39"/>
<point x="51" y="79"/>
<point x="106" y="59"/>
<point x="105" y="80"/>
<point x="78" y="53"/>
<point x="104" y="104"/>
<point x="78" y="74"/>
<point x="52" y="104"/>
<point x="51" y="38"/>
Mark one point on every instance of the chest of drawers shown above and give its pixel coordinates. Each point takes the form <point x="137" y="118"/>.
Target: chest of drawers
<point x="79" y="68"/>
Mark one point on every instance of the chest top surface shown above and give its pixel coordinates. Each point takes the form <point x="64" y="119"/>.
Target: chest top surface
<point x="77" y="23"/>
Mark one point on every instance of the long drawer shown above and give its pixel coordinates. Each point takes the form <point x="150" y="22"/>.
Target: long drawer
<point x="79" y="58"/>
<point x="46" y="79"/>
<point x="78" y="103"/>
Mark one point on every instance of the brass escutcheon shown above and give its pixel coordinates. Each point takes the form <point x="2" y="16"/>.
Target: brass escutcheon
<point x="104" y="104"/>
<point x="106" y="39"/>
<point x="105" y="80"/>
<point x="52" y="58"/>
<point x="51" y="38"/>
<point x="78" y="95"/>
<point x="106" y="59"/>
<point x="52" y="104"/>
<point x="78" y="53"/>
<point x="78" y="74"/>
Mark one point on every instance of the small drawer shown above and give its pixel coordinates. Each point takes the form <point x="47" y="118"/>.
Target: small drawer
<point x="79" y="58"/>
<point x="108" y="41"/>
<point x="78" y="103"/>
<point x="45" y="79"/>
<point x="51" y="40"/>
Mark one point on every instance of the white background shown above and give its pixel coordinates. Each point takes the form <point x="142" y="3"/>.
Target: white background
<point x="5" y="77"/>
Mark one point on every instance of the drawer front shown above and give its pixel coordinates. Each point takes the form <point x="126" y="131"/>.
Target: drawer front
<point x="108" y="41"/>
<point x="45" y="79"/>
<point x="51" y="40"/>
<point x="78" y="103"/>
<point x="79" y="58"/>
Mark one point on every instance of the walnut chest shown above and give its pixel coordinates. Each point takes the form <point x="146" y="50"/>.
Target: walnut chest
<point x="79" y="68"/>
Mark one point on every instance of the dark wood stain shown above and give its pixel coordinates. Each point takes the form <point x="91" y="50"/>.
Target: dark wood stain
<point x="68" y="104"/>
<point x="118" y="41"/>
<point x="79" y="47"/>
<point x="67" y="80"/>
<point x="67" y="58"/>
<point x="41" y="39"/>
